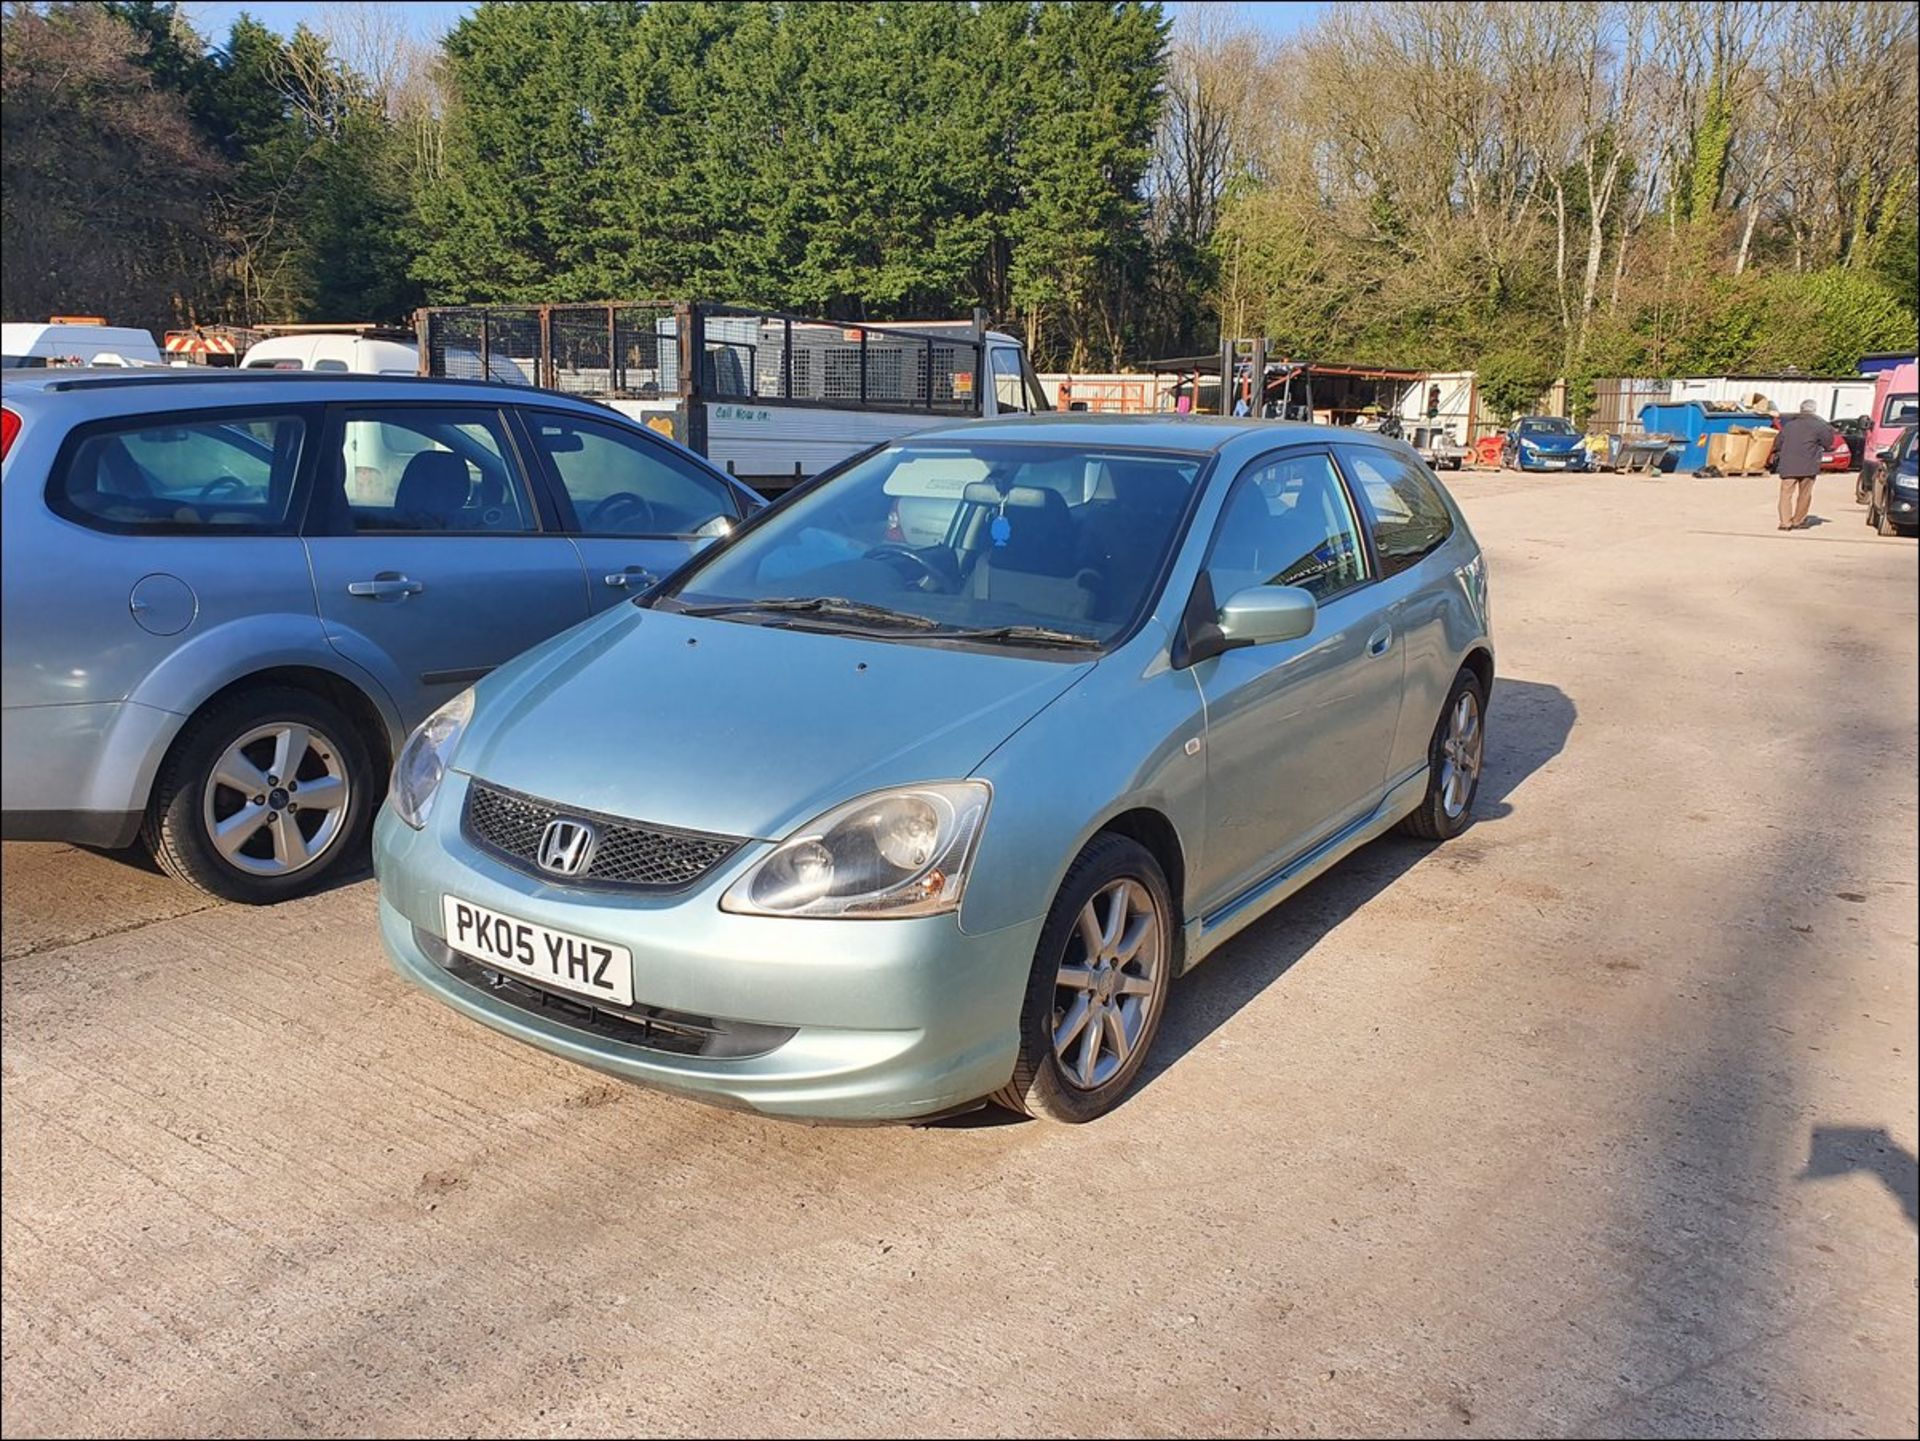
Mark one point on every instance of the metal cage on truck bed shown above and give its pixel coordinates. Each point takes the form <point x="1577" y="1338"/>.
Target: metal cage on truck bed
<point x="668" y="360"/>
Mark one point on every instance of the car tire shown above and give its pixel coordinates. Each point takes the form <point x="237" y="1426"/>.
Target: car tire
<point x="1052" y="1046"/>
<point x="1883" y="522"/>
<point x="1445" y="810"/>
<point x="256" y="864"/>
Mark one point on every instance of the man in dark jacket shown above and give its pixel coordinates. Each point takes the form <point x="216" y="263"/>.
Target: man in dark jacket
<point x="1803" y="438"/>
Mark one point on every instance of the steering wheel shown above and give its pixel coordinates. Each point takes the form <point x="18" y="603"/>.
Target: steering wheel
<point x="221" y="484"/>
<point x="920" y="565"/>
<point x="617" y="506"/>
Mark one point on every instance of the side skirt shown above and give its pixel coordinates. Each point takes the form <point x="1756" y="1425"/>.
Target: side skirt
<point x="1207" y="933"/>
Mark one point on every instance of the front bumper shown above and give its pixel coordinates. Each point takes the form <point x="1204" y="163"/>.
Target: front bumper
<point x="1547" y="460"/>
<point x="880" y="1019"/>
<point x="1903" y="506"/>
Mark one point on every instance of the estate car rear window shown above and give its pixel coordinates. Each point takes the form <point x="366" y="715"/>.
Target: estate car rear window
<point x="226" y="473"/>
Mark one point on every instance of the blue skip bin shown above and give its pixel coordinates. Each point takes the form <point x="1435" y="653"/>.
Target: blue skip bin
<point x="1690" y="423"/>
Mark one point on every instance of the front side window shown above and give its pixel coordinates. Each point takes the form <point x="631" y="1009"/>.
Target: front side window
<point x="1287" y="522"/>
<point x="231" y="473"/>
<point x="621" y="484"/>
<point x="944" y="538"/>
<point x="1900" y="410"/>
<point x="426" y="470"/>
<point x="1408" y="517"/>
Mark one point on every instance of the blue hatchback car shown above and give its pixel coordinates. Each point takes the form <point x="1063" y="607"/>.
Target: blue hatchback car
<point x="1544" y="442"/>
<point x="841" y="822"/>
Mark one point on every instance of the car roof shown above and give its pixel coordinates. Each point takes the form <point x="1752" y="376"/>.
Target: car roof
<point x="1202" y="434"/>
<point x="201" y="386"/>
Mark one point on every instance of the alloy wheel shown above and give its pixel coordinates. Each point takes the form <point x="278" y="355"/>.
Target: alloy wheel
<point x="276" y="801"/>
<point x="1108" y="983"/>
<point x="1461" y="754"/>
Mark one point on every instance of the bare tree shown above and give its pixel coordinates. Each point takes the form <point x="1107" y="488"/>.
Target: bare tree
<point x="1214" y="113"/>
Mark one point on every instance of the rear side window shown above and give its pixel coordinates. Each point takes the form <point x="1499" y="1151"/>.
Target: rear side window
<point x="1407" y="515"/>
<point x="232" y="473"/>
<point x="423" y="470"/>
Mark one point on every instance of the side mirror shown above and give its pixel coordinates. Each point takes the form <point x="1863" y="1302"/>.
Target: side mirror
<point x="1262" y="614"/>
<point x="1885" y="453"/>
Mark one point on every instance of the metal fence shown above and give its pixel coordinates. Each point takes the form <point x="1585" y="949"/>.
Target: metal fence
<point x="1617" y="402"/>
<point x="639" y="349"/>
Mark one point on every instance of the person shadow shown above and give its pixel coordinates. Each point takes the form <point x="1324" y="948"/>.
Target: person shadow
<point x="1528" y="725"/>
<point x="1840" y="1150"/>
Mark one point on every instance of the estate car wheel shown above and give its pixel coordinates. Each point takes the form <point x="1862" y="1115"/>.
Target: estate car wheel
<point x="1455" y="758"/>
<point x="1099" y="985"/>
<point x="263" y="797"/>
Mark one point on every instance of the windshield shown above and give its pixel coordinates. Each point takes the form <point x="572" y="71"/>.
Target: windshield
<point x="925" y="538"/>
<point x="1901" y="410"/>
<point x="1546" y="425"/>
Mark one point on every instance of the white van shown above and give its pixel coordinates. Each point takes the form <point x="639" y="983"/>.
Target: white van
<point x="75" y="340"/>
<point x="360" y="349"/>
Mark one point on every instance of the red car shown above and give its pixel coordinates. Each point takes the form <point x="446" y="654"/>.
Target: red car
<point x="1838" y="456"/>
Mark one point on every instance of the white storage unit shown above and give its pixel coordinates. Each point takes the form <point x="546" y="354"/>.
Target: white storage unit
<point x="1836" y="397"/>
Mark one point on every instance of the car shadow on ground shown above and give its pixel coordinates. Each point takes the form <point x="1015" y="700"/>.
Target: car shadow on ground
<point x="1527" y="726"/>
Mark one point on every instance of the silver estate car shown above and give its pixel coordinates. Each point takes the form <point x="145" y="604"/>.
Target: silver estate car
<point x="229" y="596"/>
<point x="838" y="824"/>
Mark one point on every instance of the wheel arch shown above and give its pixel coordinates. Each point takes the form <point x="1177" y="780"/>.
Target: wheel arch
<point x="1479" y="660"/>
<point x="370" y="720"/>
<point x="1154" y="830"/>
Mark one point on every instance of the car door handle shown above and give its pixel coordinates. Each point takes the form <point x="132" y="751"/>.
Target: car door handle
<point x="387" y="583"/>
<point x="632" y="575"/>
<point x="1378" y="642"/>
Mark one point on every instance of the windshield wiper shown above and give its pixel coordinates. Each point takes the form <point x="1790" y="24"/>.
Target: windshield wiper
<point x="827" y="605"/>
<point x="1025" y="635"/>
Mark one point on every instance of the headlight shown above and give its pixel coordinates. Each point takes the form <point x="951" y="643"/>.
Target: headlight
<point x="903" y="852"/>
<point x="423" y="760"/>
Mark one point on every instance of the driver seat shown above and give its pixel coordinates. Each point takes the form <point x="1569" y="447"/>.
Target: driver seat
<point x="433" y="491"/>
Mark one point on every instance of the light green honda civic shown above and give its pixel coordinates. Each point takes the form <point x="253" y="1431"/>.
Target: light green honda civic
<point x="918" y="790"/>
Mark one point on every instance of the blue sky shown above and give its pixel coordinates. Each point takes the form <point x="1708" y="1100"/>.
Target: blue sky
<point x="428" y="19"/>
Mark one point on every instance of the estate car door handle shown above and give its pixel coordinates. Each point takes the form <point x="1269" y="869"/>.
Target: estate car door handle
<point x="1378" y="642"/>
<point x="387" y="583"/>
<point x="632" y="575"/>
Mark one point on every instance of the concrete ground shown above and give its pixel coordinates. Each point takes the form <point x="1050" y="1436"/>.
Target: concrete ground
<point x="1599" y="1121"/>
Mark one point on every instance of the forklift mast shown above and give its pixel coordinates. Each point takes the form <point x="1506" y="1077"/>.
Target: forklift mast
<point x="1243" y="359"/>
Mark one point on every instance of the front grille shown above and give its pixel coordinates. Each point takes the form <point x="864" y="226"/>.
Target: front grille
<point x="652" y="1028"/>
<point x="630" y="855"/>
